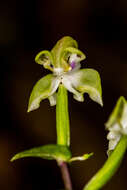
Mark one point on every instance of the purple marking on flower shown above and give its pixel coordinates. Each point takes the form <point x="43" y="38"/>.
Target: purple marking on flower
<point x="73" y="64"/>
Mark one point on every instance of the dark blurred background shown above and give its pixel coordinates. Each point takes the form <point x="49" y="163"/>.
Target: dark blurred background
<point x="27" y="27"/>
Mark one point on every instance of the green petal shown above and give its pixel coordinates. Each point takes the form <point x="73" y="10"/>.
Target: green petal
<point x="67" y="53"/>
<point x="45" y="58"/>
<point x="88" y="81"/>
<point x="49" y="152"/>
<point x="52" y="99"/>
<point x="44" y="88"/>
<point x="72" y="50"/>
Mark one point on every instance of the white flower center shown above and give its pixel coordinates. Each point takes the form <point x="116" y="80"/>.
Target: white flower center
<point x="58" y="71"/>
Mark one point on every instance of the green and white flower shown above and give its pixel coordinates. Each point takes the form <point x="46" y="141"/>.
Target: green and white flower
<point x="117" y="124"/>
<point x="64" y="63"/>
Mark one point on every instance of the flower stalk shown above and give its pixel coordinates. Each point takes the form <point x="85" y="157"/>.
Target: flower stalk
<point x="109" y="168"/>
<point x="63" y="131"/>
<point x="62" y="117"/>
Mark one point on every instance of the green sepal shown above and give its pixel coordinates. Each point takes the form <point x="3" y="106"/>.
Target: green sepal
<point x="44" y="88"/>
<point x="59" y="48"/>
<point x="88" y="81"/>
<point x="119" y="114"/>
<point x="45" y="58"/>
<point x="49" y="152"/>
<point x="81" y="158"/>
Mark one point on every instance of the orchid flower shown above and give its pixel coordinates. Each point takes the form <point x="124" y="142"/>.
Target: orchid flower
<point x="117" y="124"/>
<point x="64" y="63"/>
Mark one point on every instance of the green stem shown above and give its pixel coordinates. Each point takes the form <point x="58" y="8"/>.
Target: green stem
<point x="109" y="168"/>
<point x="63" y="131"/>
<point x="62" y="117"/>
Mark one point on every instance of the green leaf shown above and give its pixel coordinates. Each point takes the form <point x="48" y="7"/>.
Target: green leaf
<point x="117" y="123"/>
<point x="49" y="152"/>
<point x="88" y="81"/>
<point x="81" y="158"/>
<point x="44" y="88"/>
